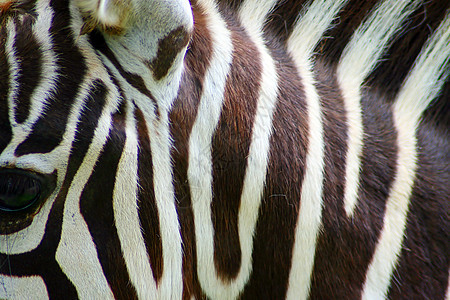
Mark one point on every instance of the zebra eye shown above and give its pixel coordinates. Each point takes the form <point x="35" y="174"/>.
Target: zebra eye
<point x="18" y="191"/>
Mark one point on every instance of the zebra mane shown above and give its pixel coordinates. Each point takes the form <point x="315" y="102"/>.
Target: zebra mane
<point x="110" y="16"/>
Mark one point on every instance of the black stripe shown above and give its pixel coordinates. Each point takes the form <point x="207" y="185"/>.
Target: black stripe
<point x="168" y="49"/>
<point x="388" y="76"/>
<point x="62" y="287"/>
<point x="182" y="119"/>
<point x="15" y="8"/>
<point x="48" y="131"/>
<point x="229" y="5"/>
<point x="422" y="271"/>
<point x="58" y="285"/>
<point x="281" y="20"/>
<point x="5" y="77"/>
<point x="335" y="132"/>
<point x="98" y="42"/>
<point x="346" y="245"/>
<point x="342" y="29"/>
<point x="230" y="149"/>
<point x="96" y="206"/>
<point x="87" y="124"/>
<point x="148" y="211"/>
<point x="275" y="230"/>
<point x="29" y="60"/>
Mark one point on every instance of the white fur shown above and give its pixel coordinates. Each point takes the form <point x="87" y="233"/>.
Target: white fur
<point x="258" y="155"/>
<point x="88" y="277"/>
<point x="421" y="87"/>
<point x="158" y="23"/>
<point x="107" y="13"/>
<point x="140" y="43"/>
<point x="12" y="287"/>
<point x="126" y="216"/>
<point x="359" y="58"/>
<point x="311" y="24"/>
<point x="170" y="285"/>
<point x="76" y="243"/>
<point x="253" y="15"/>
<point x="29" y="238"/>
<point x="200" y="160"/>
<point x="307" y="33"/>
<point x="153" y="21"/>
<point x="447" y="294"/>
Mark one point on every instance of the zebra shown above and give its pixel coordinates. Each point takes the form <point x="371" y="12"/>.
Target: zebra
<point x="224" y="149"/>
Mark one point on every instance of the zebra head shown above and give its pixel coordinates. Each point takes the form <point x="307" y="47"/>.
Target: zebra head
<point x="271" y="149"/>
<point x="65" y="68"/>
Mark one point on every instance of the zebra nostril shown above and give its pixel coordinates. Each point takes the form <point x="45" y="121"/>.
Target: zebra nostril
<point x="18" y="190"/>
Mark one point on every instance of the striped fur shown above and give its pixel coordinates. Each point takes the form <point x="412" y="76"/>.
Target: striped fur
<point x="226" y="149"/>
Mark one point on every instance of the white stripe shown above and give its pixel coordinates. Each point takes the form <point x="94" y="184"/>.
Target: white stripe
<point x="163" y="16"/>
<point x="126" y="215"/>
<point x="359" y="58"/>
<point x="307" y="33"/>
<point x="427" y="76"/>
<point x="12" y="287"/>
<point x="170" y="285"/>
<point x="30" y="237"/>
<point x="421" y="87"/>
<point x="256" y="168"/>
<point x="312" y="23"/>
<point x="447" y="294"/>
<point x="125" y="196"/>
<point x="88" y="277"/>
<point x="46" y="79"/>
<point x="200" y="161"/>
<point x="13" y="70"/>
<point x="253" y="14"/>
<point x="49" y="74"/>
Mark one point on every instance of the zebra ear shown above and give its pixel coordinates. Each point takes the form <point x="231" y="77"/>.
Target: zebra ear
<point x="109" y="15"/>
<point x="114" y="16"/>
<point x="155" y="31"/>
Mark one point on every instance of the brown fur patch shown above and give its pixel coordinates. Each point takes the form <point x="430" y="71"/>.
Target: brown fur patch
<point x="168" y="48"/>
<point x="230" y="149"/>
<point x="5" y="6"/>
<point x="182" y="119"/>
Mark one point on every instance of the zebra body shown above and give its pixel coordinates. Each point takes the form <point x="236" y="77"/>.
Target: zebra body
<point x="224" y="149"/>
